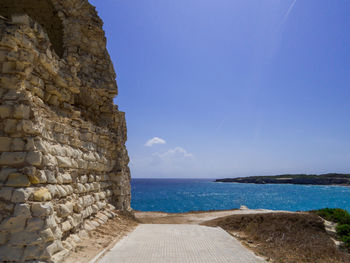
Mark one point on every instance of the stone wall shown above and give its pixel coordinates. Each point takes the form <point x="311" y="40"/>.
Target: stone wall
<point x="64" y="165"/>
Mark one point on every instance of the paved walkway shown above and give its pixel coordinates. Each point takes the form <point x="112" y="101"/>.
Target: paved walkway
<point x="179" y="243"/>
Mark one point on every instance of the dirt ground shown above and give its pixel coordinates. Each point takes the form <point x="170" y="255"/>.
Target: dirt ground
<point x="284" y="237"/>
<point x="104" y="236"/>
<point x="191" y="217"/>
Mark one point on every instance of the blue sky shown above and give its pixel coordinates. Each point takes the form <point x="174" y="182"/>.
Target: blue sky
<point x="232" y="87"/>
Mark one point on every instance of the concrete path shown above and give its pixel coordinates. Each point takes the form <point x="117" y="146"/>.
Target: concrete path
<point x="179" y="243"/>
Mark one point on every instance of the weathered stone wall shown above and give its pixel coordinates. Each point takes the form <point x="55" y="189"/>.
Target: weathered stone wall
<point x="64" y="165"/>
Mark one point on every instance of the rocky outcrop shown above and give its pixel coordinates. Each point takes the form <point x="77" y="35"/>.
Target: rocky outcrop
<point x="64" y="165"/>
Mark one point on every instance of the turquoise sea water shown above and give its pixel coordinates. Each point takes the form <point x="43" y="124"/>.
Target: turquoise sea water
<point x="183" y="195"/>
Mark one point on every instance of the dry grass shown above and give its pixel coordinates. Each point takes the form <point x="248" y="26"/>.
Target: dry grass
<point x="284" y="237"/>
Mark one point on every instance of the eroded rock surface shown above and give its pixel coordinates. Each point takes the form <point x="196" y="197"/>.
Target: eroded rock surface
<point x="64" y="165"/>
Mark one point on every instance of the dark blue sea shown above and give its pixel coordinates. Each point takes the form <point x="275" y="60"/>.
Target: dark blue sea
<point x="183" y="195"/>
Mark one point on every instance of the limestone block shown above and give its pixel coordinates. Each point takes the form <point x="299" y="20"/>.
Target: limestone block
<point x="13" y="224"/>
<point x="34" y="223"/>
<point x="18" y="180"/>
<point x="83" y="179"/>
<point x="29" y="127"/>
<point x="64" y="210"/>
<point x="96" y="186"/>
<point x="17" y="145"/>
<point x="10" y="126"/>
<point x="22" y="210"/>
<point x="60" y="256"/>
<point x="51" y="249"/>
<point x="42" y="209"/>
<point x="34" y="158"/>
<point x="9" y="82"/>
<point x="75" y="219"/>
<point x="51" y="179"/>
<point x="21" y="112"/>
<point x="29" y="170"/>
<point x="5" y="172"/>
<point x="21" y="20"/>
<point x="38" y="178"/>
<point x="12" y="158"/>
<point x="95" y="208"/>
<point x="108" y="214"/>
<point x="65" y="226"/>
<point x="41" y="145"/>
<point x="30" y="146"/>
<point x="51" y="222"/>
<point x="67" y="244"/>
<point x="21" y="195"/>
<point x="61" y="190"/>
<point x="88" y="226"/>
<point x="91" y="178"/>
<point x="100" y="205"/>
<point x="42" y="195"/>
<point x="47" y="235"/>
<point x="78" y="207"/>
<point x="110" y="207"/>
<point x="53" y="190"/>
<point x="68" y="188"/>
<point x="59" y="179"/>
<point x="5" y="111"/>
<point x="49" y="160"/>
<point x="8" y="67"/>
<point x="57" y="233"/>
<point x="75" y="164"/>
<point x="79" y="188"/>
<point x="25" y="237"/>
<point x="32" y="252"/>
<point x="97" y="197"/>
<point x="6" y="193"/>
<point x="64" y="162"/>
<point x="82" y="164"/>
<point x="4" y="237"/>
<point x="87" y="187"/>
<point x="5" y="144"/>
<point x="53" y="90"/>
<point x="88" y="200"/>
<point x="11" y="253"/>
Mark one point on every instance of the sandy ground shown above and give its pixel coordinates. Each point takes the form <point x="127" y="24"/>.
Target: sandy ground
<point x="192" y="217"/>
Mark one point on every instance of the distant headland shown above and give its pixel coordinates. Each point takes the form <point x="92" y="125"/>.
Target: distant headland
<point x="310" y="179"/>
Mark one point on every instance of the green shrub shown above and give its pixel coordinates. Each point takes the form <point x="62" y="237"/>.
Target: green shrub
<point x="342" y="218"/>
<point x="346" y="240"/>
<point x="336" y="215"/>
<point x="343" y="230"/>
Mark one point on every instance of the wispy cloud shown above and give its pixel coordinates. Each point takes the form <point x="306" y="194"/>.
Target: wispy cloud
<point x="288" y="11"/>
<point x="176" y="153"/>
<point x="221" y="124"/>
<point x="155" y="140"/>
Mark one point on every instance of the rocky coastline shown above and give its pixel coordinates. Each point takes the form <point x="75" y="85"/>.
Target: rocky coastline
<point x="304" y="179"/>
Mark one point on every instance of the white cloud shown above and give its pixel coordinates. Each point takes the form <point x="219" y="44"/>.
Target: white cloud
<point x="288" y="11"/>
<point x="155" y="140"/>
<point x="176" y="153"/>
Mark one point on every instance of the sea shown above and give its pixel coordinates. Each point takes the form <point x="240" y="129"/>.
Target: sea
<point x="184" y="195"/>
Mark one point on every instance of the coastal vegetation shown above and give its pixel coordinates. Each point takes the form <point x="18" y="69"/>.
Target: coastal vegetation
<point x="284" y="237"/>
<point x="342" y="218"/>
<point x="312" y="179"/>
